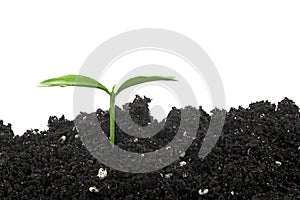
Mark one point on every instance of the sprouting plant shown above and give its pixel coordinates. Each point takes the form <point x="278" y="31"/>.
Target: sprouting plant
<point x="83" y="81"/>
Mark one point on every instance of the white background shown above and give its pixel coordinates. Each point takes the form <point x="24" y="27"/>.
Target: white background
<point x="255" y="46"/>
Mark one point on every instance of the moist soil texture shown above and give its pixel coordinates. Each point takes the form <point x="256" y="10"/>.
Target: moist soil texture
<point x="256" y="157"/>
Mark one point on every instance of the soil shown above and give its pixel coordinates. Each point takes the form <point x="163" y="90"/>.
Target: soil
<point x="256" y="157"/>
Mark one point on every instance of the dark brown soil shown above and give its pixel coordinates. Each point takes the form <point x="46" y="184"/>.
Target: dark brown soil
<point x="256" y="157"/>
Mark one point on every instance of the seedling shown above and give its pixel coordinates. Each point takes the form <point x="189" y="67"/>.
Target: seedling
<point x="83" y="81"/>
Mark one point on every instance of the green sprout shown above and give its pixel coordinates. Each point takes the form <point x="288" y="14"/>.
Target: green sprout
<point x="83" y="81"/>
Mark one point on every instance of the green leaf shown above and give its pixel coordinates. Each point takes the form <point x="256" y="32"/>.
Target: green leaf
<point x="142" y="79"/>
<point x="74" y="80"/>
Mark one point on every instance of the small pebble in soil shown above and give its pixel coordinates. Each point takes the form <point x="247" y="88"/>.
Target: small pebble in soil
<point x="203" y="192"/>
<point x="76" y="136"/>
<point x="93" y="189"/>
<point x="102" y="173"/>
<point x="62" y="139"/>
<point x="278" y="163"/>
<point x="232" y="192"/>
<point x="135" y="140"/>
<point x="182" y="163"/>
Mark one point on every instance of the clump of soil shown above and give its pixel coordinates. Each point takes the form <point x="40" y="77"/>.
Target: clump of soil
<point x="256" y="157"/>
<point x="139" y="110"/>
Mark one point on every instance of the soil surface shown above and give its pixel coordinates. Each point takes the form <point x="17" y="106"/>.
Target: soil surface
<point x="256" y="157"/>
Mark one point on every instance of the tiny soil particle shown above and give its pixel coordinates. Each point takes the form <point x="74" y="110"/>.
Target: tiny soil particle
<point x="168" y="175"/>
<point x="243" y="164"/>
<point x="182" y="154"/>
<point x="102" y="173"/>
<point x="278" y="163"/>
<point x="93" y="189"/>
<point x="182" y="163"/>
<point x="62" y="139"/>
<point x="203" y="192"/>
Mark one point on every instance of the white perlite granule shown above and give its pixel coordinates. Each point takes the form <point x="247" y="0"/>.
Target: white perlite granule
<point x="102" y="173"/>
<point x="182" y="154"/>
<point x="182" y="163"/>
<point x="93" y="189"/>
<point x="278" y="163"/>
<point x="205" y="191"/>
<point x="168" y="175"/>
<point x="62" y="139"/>
<point x="168" y="147"/>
